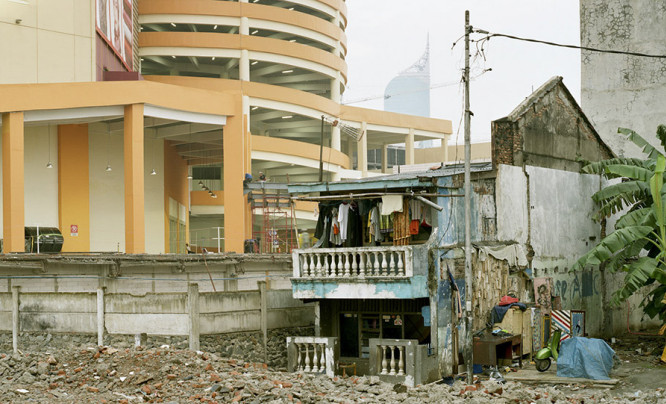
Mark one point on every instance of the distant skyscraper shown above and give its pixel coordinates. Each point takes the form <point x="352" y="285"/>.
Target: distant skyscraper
<point x="409" y="91"/>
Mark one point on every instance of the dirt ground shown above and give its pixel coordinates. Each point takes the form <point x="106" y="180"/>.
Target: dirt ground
<point x="48" y="372"/>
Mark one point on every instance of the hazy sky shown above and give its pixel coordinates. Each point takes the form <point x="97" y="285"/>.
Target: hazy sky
<point x="387" y="36"/>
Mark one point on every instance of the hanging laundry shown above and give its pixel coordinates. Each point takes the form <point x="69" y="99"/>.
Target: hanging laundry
<point x="374" y="223"/>
<point x="334" y="237"/>
<point x="343" y="217"/>
<point x="354" y="227"/>
<point x="391" y="203"/>
<point x="416" y="210"/>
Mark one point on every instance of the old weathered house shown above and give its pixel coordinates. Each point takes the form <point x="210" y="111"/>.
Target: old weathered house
<point x="388" y="308"/>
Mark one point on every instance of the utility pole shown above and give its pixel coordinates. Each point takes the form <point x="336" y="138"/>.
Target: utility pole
<point x="468" y="352"/>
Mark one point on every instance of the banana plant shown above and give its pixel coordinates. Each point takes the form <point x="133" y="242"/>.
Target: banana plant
<point x="637" y="246"/>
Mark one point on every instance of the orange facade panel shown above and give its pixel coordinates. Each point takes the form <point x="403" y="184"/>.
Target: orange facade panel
<point x="74" y="187"/>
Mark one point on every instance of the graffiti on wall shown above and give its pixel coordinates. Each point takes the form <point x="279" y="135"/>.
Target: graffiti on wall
<point x="543" y="291"/>
<point x="581" y="285"/>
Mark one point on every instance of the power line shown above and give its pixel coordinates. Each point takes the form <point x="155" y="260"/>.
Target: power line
<point x="437" y="85"/>
<point x="587" y="48"/>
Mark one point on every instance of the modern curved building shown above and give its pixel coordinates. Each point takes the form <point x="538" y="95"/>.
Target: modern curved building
<point x="409" y="91"/>
<point x="152" y="112"/>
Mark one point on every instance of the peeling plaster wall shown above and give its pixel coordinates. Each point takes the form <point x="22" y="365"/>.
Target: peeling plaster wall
<point x="621" y="90"/>
<point x="511" y="203"/>
<point x="559" y="229"/>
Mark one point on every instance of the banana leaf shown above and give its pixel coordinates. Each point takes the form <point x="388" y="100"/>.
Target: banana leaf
<point x="611" y="244"/>
<point x="639" y="273"/>
<point x="647" y="148"/>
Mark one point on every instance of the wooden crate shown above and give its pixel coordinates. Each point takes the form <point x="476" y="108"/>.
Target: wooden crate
<point x="517" y="322"/>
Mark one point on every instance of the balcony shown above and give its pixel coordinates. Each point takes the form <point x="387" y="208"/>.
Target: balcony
<point x="402" y="361"/>
<point x="317" y="355"/>
<point x="398" y="272"/>
<point x="354" y="263"/>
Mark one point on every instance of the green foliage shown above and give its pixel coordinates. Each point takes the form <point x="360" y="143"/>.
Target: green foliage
<point x="637" y="246"/>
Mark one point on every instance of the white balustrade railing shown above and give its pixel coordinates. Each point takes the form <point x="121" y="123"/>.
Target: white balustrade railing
<point x="398" y="360"/>
<point x="357" y="262"/>
<point x="312" y="354"/>
<point x="392" y="367"/>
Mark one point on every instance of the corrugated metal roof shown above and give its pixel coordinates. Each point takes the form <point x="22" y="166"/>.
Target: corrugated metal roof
<point x="388" y="181"/>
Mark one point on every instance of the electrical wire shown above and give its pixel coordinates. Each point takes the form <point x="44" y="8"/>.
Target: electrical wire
<point x="586" y="48"/>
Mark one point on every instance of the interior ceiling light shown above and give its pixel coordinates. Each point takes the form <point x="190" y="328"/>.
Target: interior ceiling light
<point x="255" y="1"/>
<point x="254" y="63"/>
<point x="213" y="58"/>
<point x="287" y="71"/>
<point x="173" y="24"/>
<point x="292" y="40"/>
<point x="173" y="57"/>
<point x="108" y="168"/>
<point x="291" y="9"/>
<point x="153" y="172"/>
<point x="255" y="108"/>
<point x="254" y="32"/>
<point x="287" y="116"/>
<point x="215" y="27"/>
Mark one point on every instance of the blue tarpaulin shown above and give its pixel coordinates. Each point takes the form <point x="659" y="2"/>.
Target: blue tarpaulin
<point x="588" y="358"/>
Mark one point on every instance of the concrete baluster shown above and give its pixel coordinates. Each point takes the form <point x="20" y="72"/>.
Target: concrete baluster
<point x="384" y="362"/>
<point x="347" y="266"/>
<point x="376" y="270"/>
<point x="307" y="358"/>
<point x="299" y="365"/>
<point x="334" y="272"/>
<point x="392" y="348"/>
<point x="401" y="362"/>
<point x="391" y="270"/>
<point x="384" y="264"/>
<point x="401" y="266"/>
<point x="354" y="265"/>
<point x="315" y="362"/>
<point x="305" y="268"/>
<point x="322" y="363"/>
<point x="318" y="266"/>
<point x="361" y="265"/>
<point x="324" y="258"/>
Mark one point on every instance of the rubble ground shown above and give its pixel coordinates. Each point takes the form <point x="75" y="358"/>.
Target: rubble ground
<point x="82" y="372"/>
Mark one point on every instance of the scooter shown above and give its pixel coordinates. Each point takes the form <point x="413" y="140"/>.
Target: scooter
<point x="542" y="358"/>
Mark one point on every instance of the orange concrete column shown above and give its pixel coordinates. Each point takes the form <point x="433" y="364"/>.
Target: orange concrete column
<point x="248" y="169"/>
<point x="135" y="237"/>
<point x="74" y="187"/>
<point x="13" y="210"/>
<point x="234" y="200"/>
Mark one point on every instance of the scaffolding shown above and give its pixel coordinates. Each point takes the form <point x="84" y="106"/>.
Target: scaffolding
<point x="273" y="219"/>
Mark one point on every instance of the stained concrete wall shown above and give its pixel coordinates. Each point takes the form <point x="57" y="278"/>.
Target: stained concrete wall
<point x="149" y="294"/>
<point x="621" y="90"/>
<point x="559" y="229"/>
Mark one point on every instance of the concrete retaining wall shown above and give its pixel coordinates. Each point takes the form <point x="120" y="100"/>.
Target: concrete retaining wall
<point x="153" y="313"/>
<point x="149" y="294"/>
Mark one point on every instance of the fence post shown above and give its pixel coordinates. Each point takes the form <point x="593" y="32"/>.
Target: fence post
<point x="100" y="316"/>
<point x="264" y="316"/>
<point x="15" y="317"/>
<point x="193" y="315"/>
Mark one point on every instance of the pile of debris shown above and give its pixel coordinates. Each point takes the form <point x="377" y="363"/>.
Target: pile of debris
<point x="175" y="375"/>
